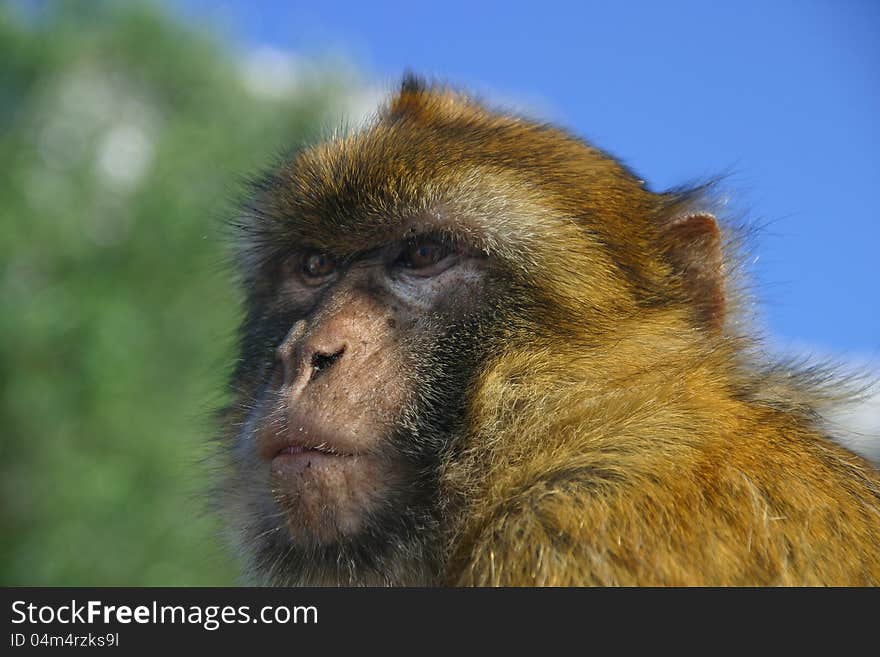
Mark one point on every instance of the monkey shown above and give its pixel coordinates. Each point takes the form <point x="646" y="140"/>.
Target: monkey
<point x="476" y="350"/>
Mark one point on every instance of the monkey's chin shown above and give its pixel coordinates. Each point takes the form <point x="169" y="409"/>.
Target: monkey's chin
<point x="325" y="498"/>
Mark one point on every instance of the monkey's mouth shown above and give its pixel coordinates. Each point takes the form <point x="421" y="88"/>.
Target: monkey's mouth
<point x="306" y="450"/>
<point x="292" y="449"/>
<point x="308" y="441"/>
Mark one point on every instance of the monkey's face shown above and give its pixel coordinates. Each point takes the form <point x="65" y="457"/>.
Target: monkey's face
<point x="362" y="367"/>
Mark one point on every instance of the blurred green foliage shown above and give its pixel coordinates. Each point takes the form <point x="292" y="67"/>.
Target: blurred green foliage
<point x="123" y="136"/>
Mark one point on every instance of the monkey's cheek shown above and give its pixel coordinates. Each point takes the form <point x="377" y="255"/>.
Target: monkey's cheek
<point x="326" y="498"/>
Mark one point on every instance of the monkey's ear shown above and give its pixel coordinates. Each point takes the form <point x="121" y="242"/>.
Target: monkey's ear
<point x="692" y="243"/>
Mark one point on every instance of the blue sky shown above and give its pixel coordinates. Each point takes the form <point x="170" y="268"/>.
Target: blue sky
<point x="784" y="97"/>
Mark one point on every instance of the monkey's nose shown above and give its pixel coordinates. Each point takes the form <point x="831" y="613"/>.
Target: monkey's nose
<point x="323" y="361"/>
<point x="303" y="363"/>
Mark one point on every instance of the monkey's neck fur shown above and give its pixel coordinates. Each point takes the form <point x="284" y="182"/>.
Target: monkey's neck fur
<point x="670" y="460"/>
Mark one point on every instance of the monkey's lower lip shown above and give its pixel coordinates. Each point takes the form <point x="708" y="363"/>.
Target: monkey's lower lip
<point x="289" y="466"/>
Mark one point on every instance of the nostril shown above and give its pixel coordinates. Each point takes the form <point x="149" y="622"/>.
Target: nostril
<point x="322" y="362"/>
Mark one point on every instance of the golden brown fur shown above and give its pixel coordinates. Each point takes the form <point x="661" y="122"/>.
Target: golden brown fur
<point x="622" y="430"/>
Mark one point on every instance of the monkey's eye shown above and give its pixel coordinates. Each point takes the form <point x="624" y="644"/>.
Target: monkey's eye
<point x="426" y="258"/>
<point x="317" y="266"/>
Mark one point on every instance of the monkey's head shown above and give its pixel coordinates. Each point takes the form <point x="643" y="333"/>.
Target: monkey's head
<point x="389" y="276"/>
